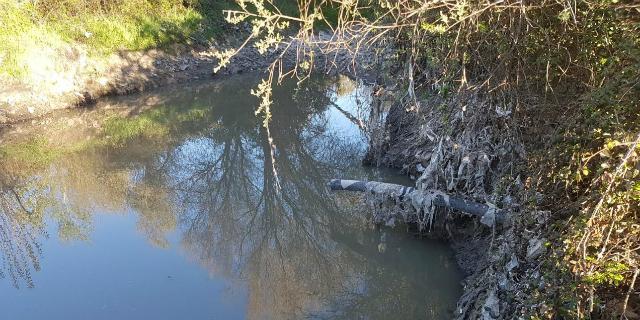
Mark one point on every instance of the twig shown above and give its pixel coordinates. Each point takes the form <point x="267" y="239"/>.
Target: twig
<point x="626" y="298"/>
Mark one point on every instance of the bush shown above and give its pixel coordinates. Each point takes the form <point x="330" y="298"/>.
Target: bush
<point x="569" y="74"/>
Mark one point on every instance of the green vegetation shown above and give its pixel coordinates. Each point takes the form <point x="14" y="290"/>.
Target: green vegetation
<point x="568" y="74"/>
<point x="27" y="28"/>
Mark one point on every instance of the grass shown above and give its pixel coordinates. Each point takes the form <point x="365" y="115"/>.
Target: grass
<point x="44" y="31"/>
<point x="28" y="27"/>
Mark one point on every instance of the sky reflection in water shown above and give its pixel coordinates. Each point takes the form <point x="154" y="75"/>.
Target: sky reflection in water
<point x="190" y="221"/>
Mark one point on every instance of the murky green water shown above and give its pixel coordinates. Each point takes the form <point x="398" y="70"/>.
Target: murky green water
<point x="188" y="212"/>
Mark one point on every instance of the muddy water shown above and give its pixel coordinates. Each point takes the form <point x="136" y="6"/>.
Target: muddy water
<point x="189" y="212"/>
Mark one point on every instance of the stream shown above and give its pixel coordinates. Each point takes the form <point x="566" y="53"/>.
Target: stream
<point x="188" y="208"/>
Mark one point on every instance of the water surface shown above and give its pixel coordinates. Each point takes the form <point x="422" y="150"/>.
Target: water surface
<point x="193" y="210"/>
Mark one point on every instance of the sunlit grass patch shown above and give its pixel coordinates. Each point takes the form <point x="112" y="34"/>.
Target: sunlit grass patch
<point x="100" y="29"/>
<point x="109" y="33"/>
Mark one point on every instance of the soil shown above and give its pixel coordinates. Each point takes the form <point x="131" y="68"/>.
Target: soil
<point x="77" y="80"/>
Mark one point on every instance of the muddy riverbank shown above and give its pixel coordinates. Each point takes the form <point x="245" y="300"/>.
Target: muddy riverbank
<point x="72" y="78"/>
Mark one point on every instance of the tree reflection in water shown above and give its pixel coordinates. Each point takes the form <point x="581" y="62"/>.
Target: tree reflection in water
<point x="298" y="251"/>
<point x="20" y="248"/>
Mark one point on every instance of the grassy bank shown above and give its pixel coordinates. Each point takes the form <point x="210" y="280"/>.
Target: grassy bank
<point x="101" y="27"/>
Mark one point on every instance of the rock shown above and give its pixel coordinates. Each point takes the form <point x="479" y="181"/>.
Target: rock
<point x="536" y="248"/>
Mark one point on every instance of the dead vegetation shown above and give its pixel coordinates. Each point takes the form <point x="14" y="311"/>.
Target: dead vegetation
<point x="526" y="105"/>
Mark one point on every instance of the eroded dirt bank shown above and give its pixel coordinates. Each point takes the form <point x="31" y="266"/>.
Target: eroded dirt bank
<point x="72" y="78"/>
